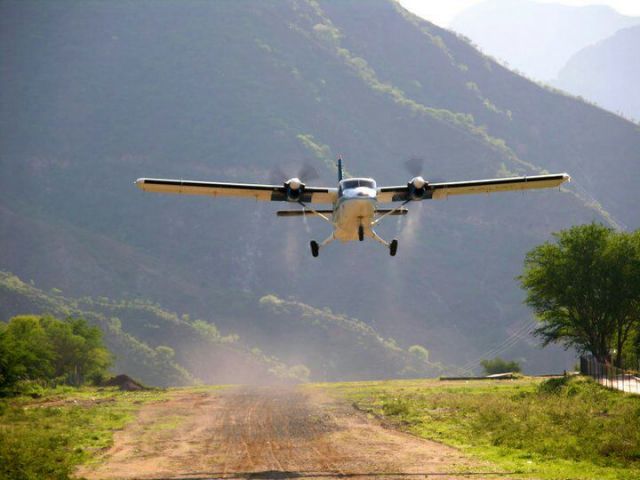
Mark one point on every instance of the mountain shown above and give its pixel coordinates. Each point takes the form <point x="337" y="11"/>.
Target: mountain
<point x="607" y="73"/>
<point x="96" y="94"/>
<point x="124" y="322"/>
<point x="139" y="333"/>
<point x="537" y="38"/>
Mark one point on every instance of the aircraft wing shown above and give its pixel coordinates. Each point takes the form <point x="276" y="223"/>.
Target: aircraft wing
<point x="266" y="193"/>
<point x="442" y="190"/>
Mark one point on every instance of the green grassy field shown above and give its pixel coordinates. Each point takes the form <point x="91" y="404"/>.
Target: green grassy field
<point x="558" y="429"/>
<point x="48" y="436"/>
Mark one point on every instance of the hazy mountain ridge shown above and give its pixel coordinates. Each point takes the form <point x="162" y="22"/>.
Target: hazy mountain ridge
<point x="607" y="73"/>
<point x="98" y="95"/>
<point x="534" y="37"/>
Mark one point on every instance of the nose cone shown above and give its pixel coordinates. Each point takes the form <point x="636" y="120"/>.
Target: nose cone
<point x="294" y="183"/>
<point x="418" y="182"/>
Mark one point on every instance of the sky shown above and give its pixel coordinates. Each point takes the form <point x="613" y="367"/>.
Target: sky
<point x="441" y="12"/>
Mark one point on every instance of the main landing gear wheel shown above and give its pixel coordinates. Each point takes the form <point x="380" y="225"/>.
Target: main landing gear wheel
<point x="314" y="248"/>
<point x="361" y="233"/>
<point x="393" y="247"/>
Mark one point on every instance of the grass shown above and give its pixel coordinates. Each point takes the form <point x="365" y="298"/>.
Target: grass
<point x="49" y="436"/>
<point x="558" y="429"/>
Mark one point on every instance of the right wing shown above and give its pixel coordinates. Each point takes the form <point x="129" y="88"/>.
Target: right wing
<point x="266" y="193"/>
<point x="442" y="190"/>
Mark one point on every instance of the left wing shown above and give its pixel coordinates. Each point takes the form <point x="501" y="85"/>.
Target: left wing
<point x="266" y="193"/>
<point x="442" y="190"/>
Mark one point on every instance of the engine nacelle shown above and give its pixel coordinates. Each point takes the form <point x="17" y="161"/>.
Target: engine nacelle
<point x="294" y="188"/>
<point x="418" y="188"/>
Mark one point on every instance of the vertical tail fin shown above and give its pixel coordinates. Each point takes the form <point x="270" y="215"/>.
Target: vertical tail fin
<point x="339" y="168"/>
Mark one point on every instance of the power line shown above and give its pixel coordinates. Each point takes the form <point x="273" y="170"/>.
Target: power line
<point x="503" y="346"/>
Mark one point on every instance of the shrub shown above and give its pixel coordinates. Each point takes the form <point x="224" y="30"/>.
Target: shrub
<point x="396" y="407"/>
<point x="34" y="455"/>
<point x="498" y="365"/>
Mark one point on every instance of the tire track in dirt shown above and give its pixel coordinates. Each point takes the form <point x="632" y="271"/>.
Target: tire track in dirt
<point x="271" y="432"/>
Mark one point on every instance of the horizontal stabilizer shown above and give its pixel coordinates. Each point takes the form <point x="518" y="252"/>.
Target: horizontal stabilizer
<point x="302" y="213"/>
<point x="312" y="213"/>
<point x="392" y="211"/>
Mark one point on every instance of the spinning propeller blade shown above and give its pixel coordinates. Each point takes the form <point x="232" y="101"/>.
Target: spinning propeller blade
<point x="306" y="173"/>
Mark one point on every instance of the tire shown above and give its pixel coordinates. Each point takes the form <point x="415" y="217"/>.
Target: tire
<point x="361" y="233"/>
<point x="315" y="249"/>
<point x="393" y="247"/>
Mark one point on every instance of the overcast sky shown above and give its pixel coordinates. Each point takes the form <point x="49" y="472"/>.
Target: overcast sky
<point x="441" y="12"/>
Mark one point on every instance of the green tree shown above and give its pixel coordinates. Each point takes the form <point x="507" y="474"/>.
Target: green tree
<point x="498" y="365"/>
<point x="79" y="352"/>
<point x="25" y="352"/>
<point x="46" y="349"/>
<point x="585" y="289"/>
<point x="165" y="354"/>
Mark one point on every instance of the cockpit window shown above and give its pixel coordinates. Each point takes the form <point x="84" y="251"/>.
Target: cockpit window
<point x="358" y="182"/>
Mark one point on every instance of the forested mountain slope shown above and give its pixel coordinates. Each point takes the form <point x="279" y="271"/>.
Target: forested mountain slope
<point x="163" y="348"/>
<point x="94" y="95"/>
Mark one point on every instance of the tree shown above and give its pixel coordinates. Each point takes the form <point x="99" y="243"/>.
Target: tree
<point x="49" y="350"/>
<point x="585" y="289"/>
<point x="498" y="365"/>
<point x="25" y="353"/>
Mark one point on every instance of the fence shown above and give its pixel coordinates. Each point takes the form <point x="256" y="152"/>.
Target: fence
<point x="610" y="376"/>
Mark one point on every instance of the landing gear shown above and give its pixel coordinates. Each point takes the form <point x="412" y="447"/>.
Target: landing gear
<point x="361" y="233"/>
<point x="393" y="247"/>
<point x="315" y="246"/>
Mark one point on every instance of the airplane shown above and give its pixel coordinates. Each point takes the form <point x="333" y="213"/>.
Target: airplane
<point x="354" y="203"/>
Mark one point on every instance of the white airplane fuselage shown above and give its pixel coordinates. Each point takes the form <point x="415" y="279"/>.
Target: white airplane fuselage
<point x="355" y="207"/>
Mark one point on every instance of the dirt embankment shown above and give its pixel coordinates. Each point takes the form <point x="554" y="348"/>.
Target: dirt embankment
<point x="270" y="433"/>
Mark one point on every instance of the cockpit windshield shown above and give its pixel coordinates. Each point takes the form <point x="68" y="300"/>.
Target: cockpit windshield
<point x="357" y="182"/>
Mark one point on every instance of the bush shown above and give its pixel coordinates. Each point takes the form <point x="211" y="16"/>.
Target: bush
<point x="498" y="365"/>
<point x="33" y="456"/>
<point x="553" y="385"/>
<point x="396" y="407"/>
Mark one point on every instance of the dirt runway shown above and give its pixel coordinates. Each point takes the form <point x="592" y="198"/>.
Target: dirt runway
<point x="271" y="432"/>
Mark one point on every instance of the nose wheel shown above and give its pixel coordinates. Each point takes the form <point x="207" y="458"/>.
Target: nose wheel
<point x="315" y="248"/>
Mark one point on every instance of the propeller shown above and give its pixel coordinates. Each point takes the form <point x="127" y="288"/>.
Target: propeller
<point x="277" y="175"/>
<point x="415" y="167"/>
<point x="294" y="186"/>
<point x="306" y="173"/>
<point x="418" y="187"/>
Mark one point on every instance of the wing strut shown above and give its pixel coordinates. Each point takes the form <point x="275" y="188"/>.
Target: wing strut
<point x="315" y="212"/>
<point x="390" y="212"/>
